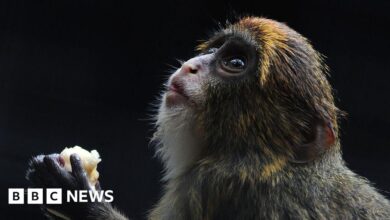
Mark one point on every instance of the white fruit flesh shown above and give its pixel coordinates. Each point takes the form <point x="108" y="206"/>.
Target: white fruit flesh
<point x="89" y="161"/>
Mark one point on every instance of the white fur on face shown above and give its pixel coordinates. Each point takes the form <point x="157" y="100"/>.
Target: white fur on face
<point x="177" y="145"/>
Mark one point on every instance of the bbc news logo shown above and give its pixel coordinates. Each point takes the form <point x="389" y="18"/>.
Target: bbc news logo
<point x="54" y="196"/>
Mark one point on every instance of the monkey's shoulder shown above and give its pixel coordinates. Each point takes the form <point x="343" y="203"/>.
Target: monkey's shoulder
<point x="220" y="191"/>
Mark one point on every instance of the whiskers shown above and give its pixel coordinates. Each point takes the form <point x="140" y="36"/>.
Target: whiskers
<point x="173" y="68"/>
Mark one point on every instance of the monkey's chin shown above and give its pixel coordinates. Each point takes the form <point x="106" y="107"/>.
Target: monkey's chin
<point x="173" y="99"/>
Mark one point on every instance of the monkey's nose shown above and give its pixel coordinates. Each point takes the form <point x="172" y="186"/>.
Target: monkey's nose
<point x="189" y="68"/>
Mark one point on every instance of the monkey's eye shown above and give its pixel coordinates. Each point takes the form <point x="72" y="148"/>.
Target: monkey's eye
<point x="234" y="64"/>
<point x="211" y="50"/>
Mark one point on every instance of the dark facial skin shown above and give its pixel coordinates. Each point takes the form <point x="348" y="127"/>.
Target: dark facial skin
<point x="233" y="58"/>
<point x="228" y="60"/>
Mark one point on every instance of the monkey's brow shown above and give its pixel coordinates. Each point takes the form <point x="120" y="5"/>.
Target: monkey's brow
<point x="225" y="35"/>
<point x="242" y="34"/>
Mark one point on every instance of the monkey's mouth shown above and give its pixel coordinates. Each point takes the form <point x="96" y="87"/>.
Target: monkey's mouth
<point x="177" y="88"/>
<point x="176" y="94"/>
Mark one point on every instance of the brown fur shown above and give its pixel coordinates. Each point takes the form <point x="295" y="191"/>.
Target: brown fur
<point x="246" y="170"/>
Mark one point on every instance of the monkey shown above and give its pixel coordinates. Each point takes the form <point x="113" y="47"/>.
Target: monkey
<point x="246" y="129"/>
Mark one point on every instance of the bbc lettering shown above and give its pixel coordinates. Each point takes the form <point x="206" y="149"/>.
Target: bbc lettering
<point x="34" y="196"/>
<point x="15" y="196"/>
<point x="54" y="196"/>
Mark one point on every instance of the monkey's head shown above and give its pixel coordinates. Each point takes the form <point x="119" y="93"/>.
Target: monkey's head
<point x="256" y="85"/>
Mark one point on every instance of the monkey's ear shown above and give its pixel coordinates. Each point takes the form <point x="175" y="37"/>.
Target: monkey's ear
<point x="322" y="139"/>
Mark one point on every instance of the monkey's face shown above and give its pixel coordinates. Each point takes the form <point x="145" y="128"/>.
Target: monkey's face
<point x="228" y="60"/>
<point x="257" y="84"/>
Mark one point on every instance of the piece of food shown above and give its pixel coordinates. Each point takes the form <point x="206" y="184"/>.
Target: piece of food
<point x="89" y="161"/>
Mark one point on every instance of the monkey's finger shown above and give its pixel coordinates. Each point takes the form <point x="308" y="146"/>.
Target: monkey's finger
<point x="63" y="177"/>
<point x="78" y="171"/>
<point x="57" y="158"/>
<point x="40" y="173"/>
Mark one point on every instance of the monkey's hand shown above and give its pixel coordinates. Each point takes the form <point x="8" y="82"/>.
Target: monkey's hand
<point x="47" y="171"/>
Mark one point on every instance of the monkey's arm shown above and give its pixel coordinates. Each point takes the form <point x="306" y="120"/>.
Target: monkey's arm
<point x="47" y="172"/>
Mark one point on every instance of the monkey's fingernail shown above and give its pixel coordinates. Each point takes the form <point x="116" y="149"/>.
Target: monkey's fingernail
<point x="61" y="161"/>
<point x="75" y="157"/>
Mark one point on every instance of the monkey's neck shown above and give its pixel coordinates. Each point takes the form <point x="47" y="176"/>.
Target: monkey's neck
<point x="257" y="164"/>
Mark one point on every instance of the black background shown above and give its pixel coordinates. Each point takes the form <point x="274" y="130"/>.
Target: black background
<point x="85" y="72"/>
